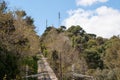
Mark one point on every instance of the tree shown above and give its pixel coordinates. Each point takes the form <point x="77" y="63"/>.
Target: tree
<point x="91" y="43"/>
<point x="9" y="64"/>
<point x="18" y="40"/>
<point x="29" y="20"/>
<point x="3" y="6"/>
<point x="76" y="30"/>
<point x="93" y="59"/>
<point x="55" y="55"/>
<point x="61" y="29"/>
<point x="20" y="13"/>
<point x="100" y="40"/>
<point x="112" y="53"/>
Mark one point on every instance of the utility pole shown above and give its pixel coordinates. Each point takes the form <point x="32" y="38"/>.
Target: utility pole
<point x="59" y="16"/>
<point x="73" y="71"/>
<point x="26" y="72"/>
<point x="60" y="67"/>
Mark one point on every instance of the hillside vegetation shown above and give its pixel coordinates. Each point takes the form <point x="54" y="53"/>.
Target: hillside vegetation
<point x="66" y="50"/>
<point x="91" y="55"/>
<point x="18" y="44"/>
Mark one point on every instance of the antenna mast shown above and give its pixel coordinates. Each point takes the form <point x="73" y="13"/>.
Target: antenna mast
<point x="46" y="23"/>
<point x="59" y="16"/>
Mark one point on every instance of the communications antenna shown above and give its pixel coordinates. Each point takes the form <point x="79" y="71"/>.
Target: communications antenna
<point x="46" y="23"/>
<point x="59" y="17"/>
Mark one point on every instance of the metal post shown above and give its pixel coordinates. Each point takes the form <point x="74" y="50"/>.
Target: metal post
<point x="73" y="70"/>
<point x="60" y="67"/>
<point x="26" y="72"/>
<point x="59" y="19"/>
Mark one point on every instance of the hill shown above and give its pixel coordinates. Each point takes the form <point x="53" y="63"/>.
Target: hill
<point x="90" y="54"/>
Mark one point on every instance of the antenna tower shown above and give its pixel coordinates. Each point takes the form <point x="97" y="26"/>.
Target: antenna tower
<point x="59" y="17"/>
<point x="46" y="23"/>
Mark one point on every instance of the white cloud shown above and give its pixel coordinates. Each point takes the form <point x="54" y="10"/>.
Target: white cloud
<point x="88" y="2"/>
<point x="104" y="21"/>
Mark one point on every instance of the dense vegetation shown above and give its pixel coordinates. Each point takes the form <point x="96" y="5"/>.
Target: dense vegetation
<point x="89" y="54"/>
<point x="18" y="44"/>
<point x="94" y="56"/>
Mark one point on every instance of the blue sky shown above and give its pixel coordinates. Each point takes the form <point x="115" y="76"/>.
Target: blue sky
<point x="41" y="10"/>
<point x="92" y="15"/>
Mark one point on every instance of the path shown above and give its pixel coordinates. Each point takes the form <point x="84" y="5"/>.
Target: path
<point x="43" y="67"/>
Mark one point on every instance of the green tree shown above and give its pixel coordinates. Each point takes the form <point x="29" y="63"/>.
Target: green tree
<point x="29" y="20"/>
<point x="91" y="43"/>
<point x="93" y="59"/>
<point x="76" y="30"/>
<point x="112" y="52"/>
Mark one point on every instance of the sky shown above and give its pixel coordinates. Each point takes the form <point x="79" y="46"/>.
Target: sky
<point x="101" y="17"/>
